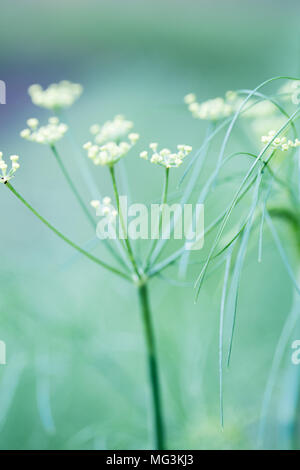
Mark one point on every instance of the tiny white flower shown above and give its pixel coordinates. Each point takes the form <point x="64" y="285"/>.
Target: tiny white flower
<point x="144" y="155"/>
<point x="87" y="145"/>
<point x="153" y="146"/>
<point x="190" y="98"/>
<point x="32" y="123"/>
<point x="95" y="204"/>
<point x="231" y="95"/>
<point x="105" y="208"/>
<point x="133" y="137"/>
<point x="25" y="133"/>
<point x="95" y="129"/>
<point x="106" y="200"/>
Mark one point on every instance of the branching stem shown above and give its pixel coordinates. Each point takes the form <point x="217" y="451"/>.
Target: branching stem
<point x="64" y="238"/>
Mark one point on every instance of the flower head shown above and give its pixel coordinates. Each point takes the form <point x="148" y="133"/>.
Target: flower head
<point x="48" y="134"/>
<point x="105" y="209"/>
<point x="165" y="157"/>
<point x="5" y="173"/>
<point x="279" y="143"/>
<point x="219" y="108"/>
<point x="211" y="110"/>
<point x="111" y="152"/>
<point x="111" y="130"/>
<point x="56" y="96"/>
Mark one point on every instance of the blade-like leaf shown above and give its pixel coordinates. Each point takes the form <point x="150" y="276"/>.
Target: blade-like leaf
<point x="234" y="288"/>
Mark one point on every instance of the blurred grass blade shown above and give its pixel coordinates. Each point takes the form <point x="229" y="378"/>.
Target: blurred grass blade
<point x="261" y="226"/>
<point x="43" y="394"/>
<point x="286" y="332"/>
<point x="8" y="385"/>
<point x="221" y="333"/>
<point x="234" y="288"/>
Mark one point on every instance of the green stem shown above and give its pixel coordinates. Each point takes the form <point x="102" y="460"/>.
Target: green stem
<point x="127" y="243"/>
<point x="64" y="238"/>
<point x="82" y="204"/>
<point x="163" y="201"/>
<point x="153" y="368"/>
<point x="72" y="186"/>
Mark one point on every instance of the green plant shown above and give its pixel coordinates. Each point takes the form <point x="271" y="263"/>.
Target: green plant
<point x="267" y="174"/>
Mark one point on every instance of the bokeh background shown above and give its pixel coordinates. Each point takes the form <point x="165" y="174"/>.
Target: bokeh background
<point x="76" y="376"/>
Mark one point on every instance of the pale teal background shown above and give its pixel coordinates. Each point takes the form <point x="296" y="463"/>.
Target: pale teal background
<point x="75" y="376"/>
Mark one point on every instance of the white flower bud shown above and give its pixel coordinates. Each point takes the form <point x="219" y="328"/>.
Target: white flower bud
<point x="32" y="123"/>
<point x="95" y="204"/>
<point x="190" y="98"/>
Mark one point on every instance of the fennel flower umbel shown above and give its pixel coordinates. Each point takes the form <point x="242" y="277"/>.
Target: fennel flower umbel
<point x="279" y="143"/>
<point x="56" y="96"/>
<point x="48" y="134"/>
<point x="220" y="108"/>
<point x="165" y="157"/>
<point x="111" y="152"/>
<point x="5" y="173"/>
<point x="111" y="130"/>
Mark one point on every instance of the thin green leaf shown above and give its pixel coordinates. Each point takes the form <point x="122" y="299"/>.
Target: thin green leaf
<point x="234" y="288"/>
<point x="200" y="278"/>
<point x="221" y="334"/>
<point x="286" y="332"/>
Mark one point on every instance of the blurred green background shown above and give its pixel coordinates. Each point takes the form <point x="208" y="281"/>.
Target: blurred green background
<point x="76" y="376"/>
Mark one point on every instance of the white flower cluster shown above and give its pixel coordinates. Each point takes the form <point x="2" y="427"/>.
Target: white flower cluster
<point x="165" y="157"/>
<point x="212" y="110"/>
<point x="48" y="134"/>
<point x="56" y="96"/>
<point x="281" y="143"/>
<point x="111" y="152"/>
<point x="105" y="208"/>
<point x="6" y="174"/>
<point x="111" y="130"/>
<point x="219" y="108"/>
